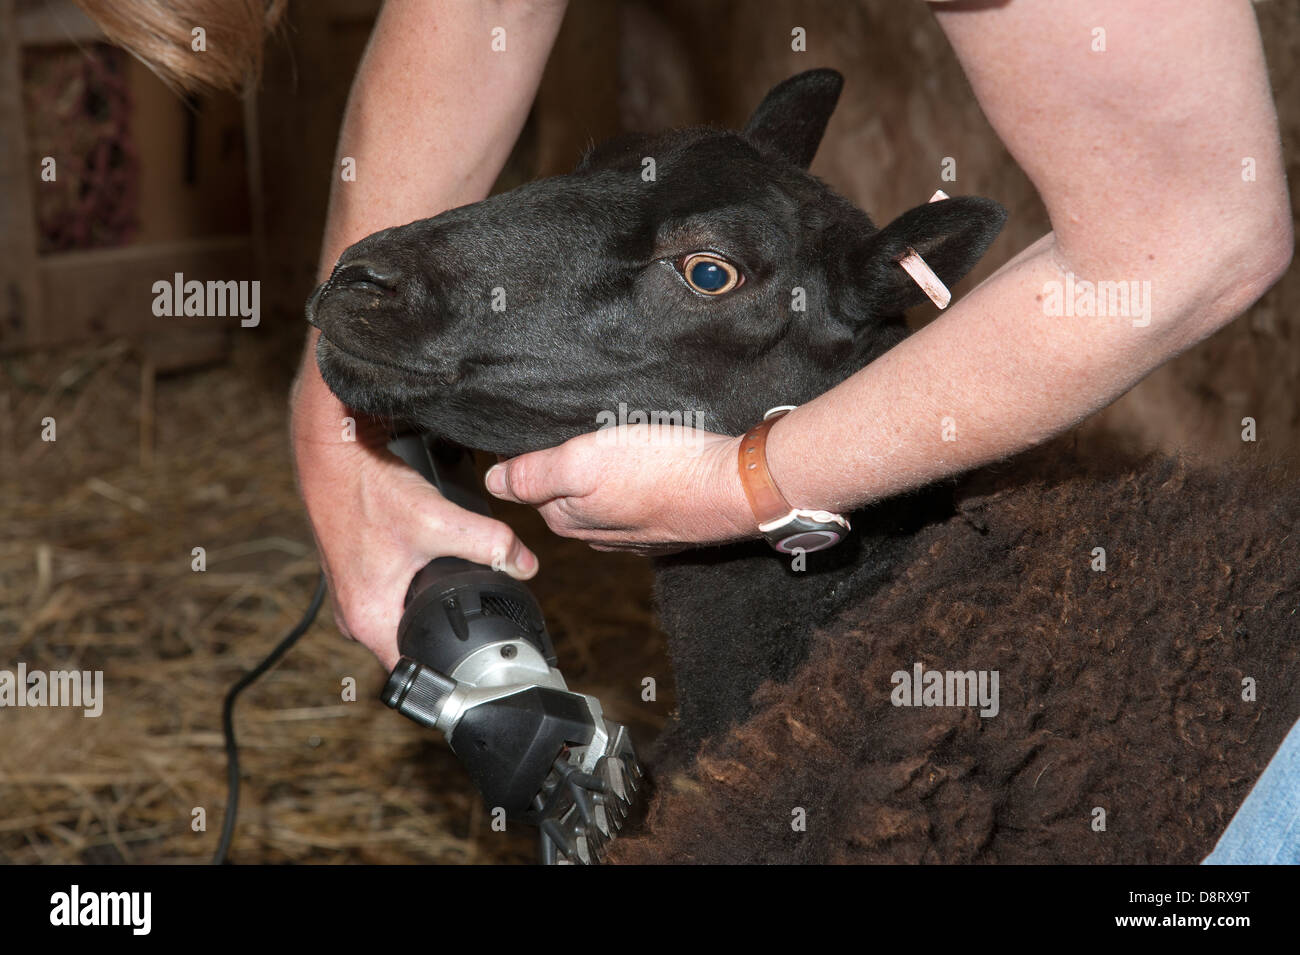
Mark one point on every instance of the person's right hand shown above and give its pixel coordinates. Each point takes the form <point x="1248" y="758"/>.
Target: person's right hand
<point x="377" y="522"/>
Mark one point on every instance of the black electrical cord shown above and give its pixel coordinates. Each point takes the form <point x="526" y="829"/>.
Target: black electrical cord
<point x="228" y="718"/>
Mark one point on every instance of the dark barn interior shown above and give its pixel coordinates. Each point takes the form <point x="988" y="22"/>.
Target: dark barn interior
<point x="171" y="431"/>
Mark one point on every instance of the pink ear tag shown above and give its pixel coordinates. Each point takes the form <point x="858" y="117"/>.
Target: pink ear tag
<point x="922" y="274"/>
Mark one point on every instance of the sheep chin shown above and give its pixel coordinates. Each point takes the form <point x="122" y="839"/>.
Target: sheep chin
<point x="362" y="384"/>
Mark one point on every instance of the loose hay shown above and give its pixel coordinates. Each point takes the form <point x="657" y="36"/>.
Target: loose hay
<point x="95" y="573"/>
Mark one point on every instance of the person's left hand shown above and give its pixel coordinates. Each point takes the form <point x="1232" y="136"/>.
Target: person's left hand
<point x="650" y="489"/>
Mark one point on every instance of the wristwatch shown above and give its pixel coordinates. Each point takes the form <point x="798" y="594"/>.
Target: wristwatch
<point x="787" y="529"/>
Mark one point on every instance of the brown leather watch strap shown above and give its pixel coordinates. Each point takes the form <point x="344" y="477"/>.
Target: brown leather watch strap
<point x="765" y="498"/>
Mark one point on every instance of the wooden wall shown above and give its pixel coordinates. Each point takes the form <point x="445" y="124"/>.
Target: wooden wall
<point x="259" y="205"/>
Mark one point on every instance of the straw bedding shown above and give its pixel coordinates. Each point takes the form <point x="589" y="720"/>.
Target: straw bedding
<point x="95" y="573"/>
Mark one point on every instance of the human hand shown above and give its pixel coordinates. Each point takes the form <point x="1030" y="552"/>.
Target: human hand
<point x="648" y="489"/>
<point x="377" y="522"/>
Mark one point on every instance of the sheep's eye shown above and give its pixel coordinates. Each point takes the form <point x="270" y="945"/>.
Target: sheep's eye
<point x="710" y="274"/>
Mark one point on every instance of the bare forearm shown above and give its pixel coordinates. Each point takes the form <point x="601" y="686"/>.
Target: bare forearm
<point x="1137" y="153"/>
<point x="989" y="378"/>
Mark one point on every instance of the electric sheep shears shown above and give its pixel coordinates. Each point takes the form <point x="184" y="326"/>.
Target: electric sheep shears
<point x="478" y="664"/>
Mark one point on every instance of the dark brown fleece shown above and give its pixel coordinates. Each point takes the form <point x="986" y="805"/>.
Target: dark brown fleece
<point x="1119" y="689"/>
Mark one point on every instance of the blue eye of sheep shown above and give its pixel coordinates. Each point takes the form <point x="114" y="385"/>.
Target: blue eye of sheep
<point x="710" y="274"/>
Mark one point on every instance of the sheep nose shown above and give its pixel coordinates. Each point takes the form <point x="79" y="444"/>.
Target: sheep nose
<point x="359" y="276"/>
<point x="313" y="302"/>
<point x="362" y="274"/>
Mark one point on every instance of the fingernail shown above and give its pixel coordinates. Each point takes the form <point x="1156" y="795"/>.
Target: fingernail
<point x="527" y="562"/>
<point x="495" y="479"/>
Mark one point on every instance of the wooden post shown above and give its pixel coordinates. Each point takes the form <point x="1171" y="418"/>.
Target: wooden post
<point x="148" y="375"/>
<point x="256" y="187"/>
<point x="19" y="285"/>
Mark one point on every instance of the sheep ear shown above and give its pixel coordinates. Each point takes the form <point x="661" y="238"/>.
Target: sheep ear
<point x="793" y="116"/>
<point x="950" y="234"/>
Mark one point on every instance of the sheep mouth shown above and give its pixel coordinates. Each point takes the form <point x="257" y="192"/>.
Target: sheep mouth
<point x="327" y="346"/>
<point x="367" y="384"/>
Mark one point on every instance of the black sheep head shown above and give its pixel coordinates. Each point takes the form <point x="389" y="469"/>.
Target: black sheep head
<point x="699" y="272"/>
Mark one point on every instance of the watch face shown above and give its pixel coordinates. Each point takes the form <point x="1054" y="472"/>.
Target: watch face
<point x="805" y="531"/>
<point x="807" y="541"/>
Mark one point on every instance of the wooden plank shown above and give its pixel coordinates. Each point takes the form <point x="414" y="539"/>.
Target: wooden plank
<point x="19" y="286"/>
<point x="169" y="351"/>
<point x="55" y="22"/>
<point x="108" y="293"/>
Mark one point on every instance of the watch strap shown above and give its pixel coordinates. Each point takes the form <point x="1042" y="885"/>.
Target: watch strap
<point x="765" y="498"/>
